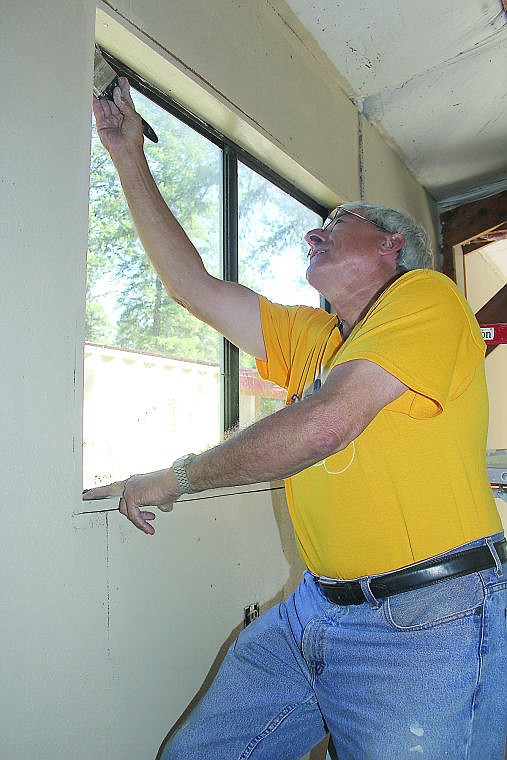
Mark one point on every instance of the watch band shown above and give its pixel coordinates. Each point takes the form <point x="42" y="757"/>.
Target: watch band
<point x="179" y="467"/>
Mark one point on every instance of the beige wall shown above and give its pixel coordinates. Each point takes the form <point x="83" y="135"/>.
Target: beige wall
<point x="293" y="113"/>
<point x="106" y="634"/>
<point x="53" y="587"/>
<point x="386" y="180"/>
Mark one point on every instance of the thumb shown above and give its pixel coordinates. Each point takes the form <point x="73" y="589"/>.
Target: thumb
<point x="122" y="97"/>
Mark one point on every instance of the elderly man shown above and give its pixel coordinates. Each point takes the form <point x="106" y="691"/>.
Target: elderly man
<point x="394" y="642"/>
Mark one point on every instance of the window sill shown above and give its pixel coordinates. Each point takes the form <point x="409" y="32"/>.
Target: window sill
<point x="111" y="504"/>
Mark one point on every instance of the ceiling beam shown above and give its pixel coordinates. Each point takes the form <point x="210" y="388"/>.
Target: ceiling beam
<point x="467" y="222"/>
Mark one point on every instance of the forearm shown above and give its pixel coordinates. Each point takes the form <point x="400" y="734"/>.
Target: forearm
<point x="174" y="257"/>
<point x="276" y="447"/>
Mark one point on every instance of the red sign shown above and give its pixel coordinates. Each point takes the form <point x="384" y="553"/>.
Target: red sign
<point x="494" y="334"/>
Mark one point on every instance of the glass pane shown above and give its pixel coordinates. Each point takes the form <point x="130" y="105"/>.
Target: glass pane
<point x="152" y="377"/>
<point x="272" y="261"/>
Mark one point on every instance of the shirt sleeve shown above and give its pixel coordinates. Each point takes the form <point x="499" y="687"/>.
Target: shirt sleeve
<point x="422" y="331"/>
<point x="277" y="323"/>
<point x="292" y="335"/>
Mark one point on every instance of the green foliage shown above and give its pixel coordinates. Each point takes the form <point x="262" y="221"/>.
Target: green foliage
<point x="98" y="326"/>
<point x="270" y="222"/>
<point x="126" y="303"/>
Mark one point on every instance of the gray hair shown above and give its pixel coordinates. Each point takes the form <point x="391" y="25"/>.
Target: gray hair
<point x="416" y="252"/>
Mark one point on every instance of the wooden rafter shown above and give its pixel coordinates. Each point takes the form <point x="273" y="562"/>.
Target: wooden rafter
<point x="488" y="237"/>
<point x="472" y="219"/>
<point x="471" y="225"/>
<point x="468" y="222"/>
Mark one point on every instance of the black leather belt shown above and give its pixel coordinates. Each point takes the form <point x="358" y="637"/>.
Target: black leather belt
<point x="415" y="576"/>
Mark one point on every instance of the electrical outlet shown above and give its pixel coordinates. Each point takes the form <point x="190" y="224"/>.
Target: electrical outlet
<point x="251" y="612"/>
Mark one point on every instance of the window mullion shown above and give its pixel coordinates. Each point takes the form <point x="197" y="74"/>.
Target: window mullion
<point x="230" y="353"/>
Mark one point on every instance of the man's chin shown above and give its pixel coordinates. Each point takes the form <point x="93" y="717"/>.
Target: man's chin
<point x="313" y="280"/>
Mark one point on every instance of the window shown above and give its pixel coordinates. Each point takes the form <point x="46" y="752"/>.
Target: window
<point x="159" y="383"/>
<point x="272" y="261"/>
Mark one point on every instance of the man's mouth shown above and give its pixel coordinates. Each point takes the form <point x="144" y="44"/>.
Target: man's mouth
<point x="315" y="252"/>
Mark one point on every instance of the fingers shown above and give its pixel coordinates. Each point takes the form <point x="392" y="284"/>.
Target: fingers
<point x="125" y="91"/>
<point x="139" y="518"/>
<point x="132" y="512"/>
<point x="138" y="491"/>
<point x="105" y="109"/>
<point x="104" y="492"/>
<point x="129" y="121"/>
<point x="121" y="96"/>
<point x="118" y="123"/>
<point x="99" y="111"/>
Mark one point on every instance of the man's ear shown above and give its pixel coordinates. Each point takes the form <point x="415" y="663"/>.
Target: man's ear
<point x="392" y="243"/>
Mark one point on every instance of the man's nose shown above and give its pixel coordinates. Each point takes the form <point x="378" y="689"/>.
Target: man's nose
<point x="315" y="236"/>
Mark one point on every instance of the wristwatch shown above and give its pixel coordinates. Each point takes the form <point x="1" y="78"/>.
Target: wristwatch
<point x="179" y="467"/>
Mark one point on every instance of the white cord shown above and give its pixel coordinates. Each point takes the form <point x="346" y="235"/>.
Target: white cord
<point x="338" y="472"/>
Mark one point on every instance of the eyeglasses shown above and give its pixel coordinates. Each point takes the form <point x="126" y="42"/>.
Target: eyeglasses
<point x="340" y="211"/>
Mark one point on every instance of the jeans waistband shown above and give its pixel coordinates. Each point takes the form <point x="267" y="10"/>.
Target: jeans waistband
<point x="475" y="556"/>
<point x="494" y="538"/>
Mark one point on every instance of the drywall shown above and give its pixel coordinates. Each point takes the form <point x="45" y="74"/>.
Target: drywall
<point x="107" y="633"/>
<point x="54" y="657"/>
<point x="288" y="114"/>
<point x="177" y="600"/>
<point x="386" y="180"/>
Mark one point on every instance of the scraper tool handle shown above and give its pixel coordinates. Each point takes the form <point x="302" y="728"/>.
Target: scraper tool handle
<point x="148" y="131"/>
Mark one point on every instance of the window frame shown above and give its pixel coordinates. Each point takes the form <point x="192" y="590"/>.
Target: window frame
<point x="232" y="154"/>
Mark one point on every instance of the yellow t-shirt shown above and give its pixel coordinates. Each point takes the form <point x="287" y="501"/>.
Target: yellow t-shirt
<point x="414" y="482"/>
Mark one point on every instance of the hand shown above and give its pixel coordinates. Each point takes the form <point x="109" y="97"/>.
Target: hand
<point x="118" y="123"/>
<point x="158" y="489"/>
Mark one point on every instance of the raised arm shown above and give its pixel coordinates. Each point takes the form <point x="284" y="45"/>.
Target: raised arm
<point x="230" y="308"/>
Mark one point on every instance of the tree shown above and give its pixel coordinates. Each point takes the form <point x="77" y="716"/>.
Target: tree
<point x="119" y="273"/>
<point x="126" y="303"/>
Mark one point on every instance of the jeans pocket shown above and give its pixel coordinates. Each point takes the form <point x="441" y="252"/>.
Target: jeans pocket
<point x="493" y="582"/>
<point x="433" y="605"/>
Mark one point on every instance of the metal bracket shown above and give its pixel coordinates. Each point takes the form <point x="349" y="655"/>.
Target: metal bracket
<point x="251" y="612"/>
<point x="500" y="492"/>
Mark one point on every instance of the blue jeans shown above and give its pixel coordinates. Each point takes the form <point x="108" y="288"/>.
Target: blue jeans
<point x="420" y="674"/>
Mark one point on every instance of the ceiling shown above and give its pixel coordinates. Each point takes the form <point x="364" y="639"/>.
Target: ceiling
<point x="430" y="74"/>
